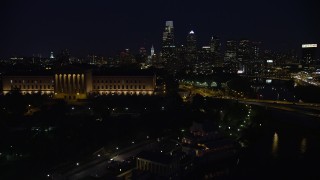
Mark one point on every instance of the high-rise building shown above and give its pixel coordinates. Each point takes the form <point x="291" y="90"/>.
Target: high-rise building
<point x="126" y="57"/>
<point x="151" y="57"/>
<point x="309" y="55"/>
<point x="245" y="56"/>
<point x="191" y="48"/>
<point x="258" y="63"/>
<point x="168" y="46"/>
<point x="63" y="58"/>
<point x="51" y="55"/>
<point x="152" y="51"/>
<point x="215" y="49"/>
<point x="230" y="57"/>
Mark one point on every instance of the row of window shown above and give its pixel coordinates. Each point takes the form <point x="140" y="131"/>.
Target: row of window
<point x="116" y="81"/>
<point x="120" y="87"/>
<point x="32" y="86"/>
<point x="30" y="81"/>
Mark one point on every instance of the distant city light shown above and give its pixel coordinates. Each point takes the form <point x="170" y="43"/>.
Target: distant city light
<point x="269" y="81"/>
<point x="240" y="72"/>
<point x="309" y="45"/>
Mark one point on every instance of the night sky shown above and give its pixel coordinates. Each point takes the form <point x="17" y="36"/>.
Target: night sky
<point x="106" y="27"/>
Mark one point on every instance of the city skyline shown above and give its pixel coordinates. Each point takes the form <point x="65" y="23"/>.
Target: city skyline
<point x="107" y="28"/>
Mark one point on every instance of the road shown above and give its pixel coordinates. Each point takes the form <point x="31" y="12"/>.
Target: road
<point x="311" y="109"/>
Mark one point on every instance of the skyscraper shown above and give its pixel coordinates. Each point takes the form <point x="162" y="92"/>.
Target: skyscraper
<point x="245" y="56"/>
<point x="168" y="45"/>
<point x="51" y="55"/>
<point x="257" y="58"/>
<point x="309" y="55"/>
<point x="215" y="49"/>
<point x="152" y="51"/>
<point x="191" y="48"/>
<point x="230" y="57"/>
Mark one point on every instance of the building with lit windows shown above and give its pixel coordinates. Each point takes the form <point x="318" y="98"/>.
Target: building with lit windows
<point x="215" y="48"/>
<point x="28" y="84"/>
<point x="191" y="48"/>
<point x="72" y="85"/>
<point x="168" y="47"/>
<point x="309" y="54"/>
<point x="230" y="57"/>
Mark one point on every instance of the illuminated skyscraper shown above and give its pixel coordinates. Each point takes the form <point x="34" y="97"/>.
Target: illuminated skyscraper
<point x="168" y="46"/>
<point x="309" y="55"/>
<point x="51" y="55"/>
<point x="215" y="49"/>
<point x="230" y="57"/>
<point x="152" y="51"/>
<point x="191" y="48"/>
<point x="245" y="56"/>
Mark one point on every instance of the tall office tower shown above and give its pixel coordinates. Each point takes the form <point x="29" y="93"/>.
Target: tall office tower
<point x="245" y="56"/>
<point x="168" y="46"/>
<point x="126" y="57"/>
<point x="152" y="51"/>
<point x="230" y="57"/>
<point x="51" y="55"/>
<point x="143" y="51"/>
<point x="257" y="58"/>
<point x="63" y="58"/>
<point x="181" y="57"/>
<point x="309" y="55"/>
<point x="192" y="57"/>
<point x="142" y="57"/>
<point x="215" y="49"/>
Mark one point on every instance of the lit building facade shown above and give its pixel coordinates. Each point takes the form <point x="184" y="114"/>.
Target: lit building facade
<point x="28" y="84"/>
<point x="123" y="85"/>
<point x="75" y="85"/>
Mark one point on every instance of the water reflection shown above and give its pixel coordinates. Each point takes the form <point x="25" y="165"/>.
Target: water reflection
<point x="275" y="145"/>
<point x="303" y="146"/>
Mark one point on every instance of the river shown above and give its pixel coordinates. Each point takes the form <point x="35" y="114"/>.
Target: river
<point x="286" y="147"/>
